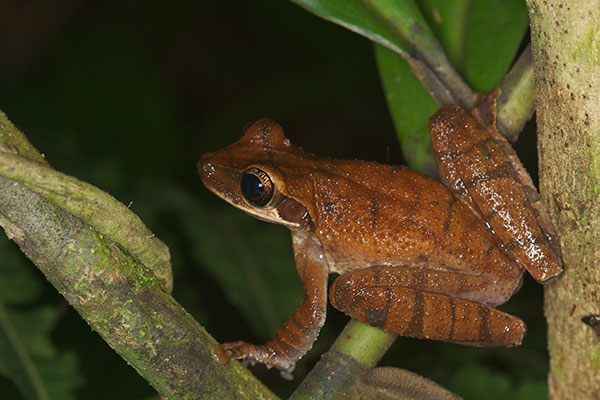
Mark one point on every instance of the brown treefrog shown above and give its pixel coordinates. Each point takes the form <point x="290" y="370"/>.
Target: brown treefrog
<point x="416" y="257"/>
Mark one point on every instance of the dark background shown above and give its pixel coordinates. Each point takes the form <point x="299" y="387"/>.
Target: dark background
<point x="127" y="95"/>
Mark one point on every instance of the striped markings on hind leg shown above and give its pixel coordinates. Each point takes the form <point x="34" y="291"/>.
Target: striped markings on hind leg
<point x="416" y="313"/>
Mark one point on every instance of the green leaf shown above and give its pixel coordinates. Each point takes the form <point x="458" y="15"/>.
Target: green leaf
<point x="448" y="20"/>
<point x="400" y="26"/>
<point x="493" y="34"/>
<point x="355" y="16"/>
<point x="410" y="106"/>
<point x="408" y="26"/>
<point x="480" y="38"/>
<point x="395" y="24"/>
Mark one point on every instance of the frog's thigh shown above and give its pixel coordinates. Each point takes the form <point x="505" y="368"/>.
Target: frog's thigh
<point x="482" y="289"/>
<point x="422" y="314"/>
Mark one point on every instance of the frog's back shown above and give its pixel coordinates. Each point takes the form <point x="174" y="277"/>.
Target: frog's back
<point x="400" y="217"/>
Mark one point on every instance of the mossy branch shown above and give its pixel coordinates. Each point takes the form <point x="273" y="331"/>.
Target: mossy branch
<point x="105" y="281"/>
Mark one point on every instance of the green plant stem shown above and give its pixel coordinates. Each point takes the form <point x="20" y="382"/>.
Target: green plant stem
<point x="516" y="105"/>
<point x="357" y="349"/>
<point x="363" y="343"/>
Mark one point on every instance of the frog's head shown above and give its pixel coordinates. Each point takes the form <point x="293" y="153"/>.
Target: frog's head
<point x="262" y="174"/>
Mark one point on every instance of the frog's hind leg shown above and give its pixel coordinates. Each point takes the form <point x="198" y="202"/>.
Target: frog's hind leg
<point x="482" y="170"/>
<point x="423" y="314"/>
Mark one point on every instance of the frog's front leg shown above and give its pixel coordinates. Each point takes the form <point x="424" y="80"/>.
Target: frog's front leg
<point x="301" y="329"/>
<point x="396" y="300"/>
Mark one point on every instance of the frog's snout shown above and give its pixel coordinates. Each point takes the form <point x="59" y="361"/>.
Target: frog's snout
<point x="222" y="181"/>
<point x="205" y="168"/>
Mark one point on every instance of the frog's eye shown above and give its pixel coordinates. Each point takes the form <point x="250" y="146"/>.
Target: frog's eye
<point x="257" y="187"/>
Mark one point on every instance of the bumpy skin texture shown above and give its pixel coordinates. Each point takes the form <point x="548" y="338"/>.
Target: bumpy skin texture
<point x="414" y="258"/>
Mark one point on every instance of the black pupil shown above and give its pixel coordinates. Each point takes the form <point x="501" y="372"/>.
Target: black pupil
<point x="252" y="187"/>
<point x="257" y="187"/>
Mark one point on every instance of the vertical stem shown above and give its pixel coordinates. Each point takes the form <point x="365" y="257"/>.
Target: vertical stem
<point x="565" y="48"/>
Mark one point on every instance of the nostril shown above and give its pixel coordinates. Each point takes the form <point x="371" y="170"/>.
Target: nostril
<point x="205" y="167"/>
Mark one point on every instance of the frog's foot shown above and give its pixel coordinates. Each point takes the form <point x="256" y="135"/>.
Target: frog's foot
<point x="426" y="315"/>
<point x="250" y="354"/>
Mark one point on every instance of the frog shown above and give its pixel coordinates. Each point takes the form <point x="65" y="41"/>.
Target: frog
<point x="416" y="256"/>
